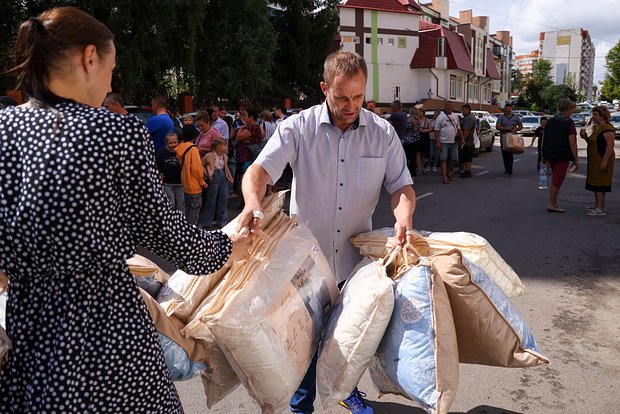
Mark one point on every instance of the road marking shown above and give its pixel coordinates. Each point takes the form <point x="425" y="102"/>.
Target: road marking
<point x="423" y="196"/>
<point x="517" y="159"/>
<point x="482" y="173"/>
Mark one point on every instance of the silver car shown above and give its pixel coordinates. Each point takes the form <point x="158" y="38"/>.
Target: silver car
<point x="530" y="123"/>
<point x="615" y="121"/>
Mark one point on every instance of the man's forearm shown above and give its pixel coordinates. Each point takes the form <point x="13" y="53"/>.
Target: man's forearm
<point x="254" y="185"/>
<point x="403" y="205"/>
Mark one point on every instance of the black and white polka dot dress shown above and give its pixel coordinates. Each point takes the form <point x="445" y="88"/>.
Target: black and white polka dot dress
<point x="78" y="192"/>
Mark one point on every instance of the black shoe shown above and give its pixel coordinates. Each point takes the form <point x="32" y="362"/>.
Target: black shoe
<point x="465" y="174"/>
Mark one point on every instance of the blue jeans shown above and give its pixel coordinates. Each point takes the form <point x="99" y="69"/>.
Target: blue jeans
<point x="193" y="202"/>
<point x="176" y="196"/>
<point x="216" y="204"/>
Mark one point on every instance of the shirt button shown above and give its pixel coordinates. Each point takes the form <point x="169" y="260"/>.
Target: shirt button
<point x="336" y="250"/>
<point x="341" y="184"/>
<point x="342" y="160"/>
<point x="337" y="231"/>
<point x="339" y="208"/>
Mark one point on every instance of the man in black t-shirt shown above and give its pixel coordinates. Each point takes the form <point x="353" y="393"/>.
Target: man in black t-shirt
<point x="398" y="119"/>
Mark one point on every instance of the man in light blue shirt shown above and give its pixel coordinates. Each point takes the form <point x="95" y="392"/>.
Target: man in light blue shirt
<point x="341" y="156"/>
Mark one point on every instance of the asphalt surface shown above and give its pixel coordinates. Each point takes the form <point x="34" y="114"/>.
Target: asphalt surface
<point x="569" y="262"/>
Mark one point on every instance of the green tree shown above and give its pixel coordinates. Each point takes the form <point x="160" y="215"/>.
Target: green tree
<point x="235" y="53"/>
<point x="306" y="30"/>
<point x="611" y="84"/>
<point x="552" y="94"/>
<point x="517" y="81"/>
<point x="537" y="82"/>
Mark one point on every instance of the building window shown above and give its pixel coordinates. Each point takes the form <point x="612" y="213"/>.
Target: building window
<point x="356" y="39"/>
<point x="402" y="42"/>
<point x="396" y="92"/>
<point x="391" y="41"/>
<point x="368" y="40"/>
<point x="459" y="87"/>
<point x="452" y="87"/>
<point x="379" y="40"/>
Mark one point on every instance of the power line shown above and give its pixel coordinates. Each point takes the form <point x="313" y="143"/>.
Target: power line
<point x="526" y="20"/>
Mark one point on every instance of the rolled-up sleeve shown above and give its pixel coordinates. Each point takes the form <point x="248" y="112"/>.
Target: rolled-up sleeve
<point x="281" y="149"/>
<point x="396" y="173"/>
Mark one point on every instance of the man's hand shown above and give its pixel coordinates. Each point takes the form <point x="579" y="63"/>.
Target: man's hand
<point x="249" y="220"/>
<point x="403" y="235"/>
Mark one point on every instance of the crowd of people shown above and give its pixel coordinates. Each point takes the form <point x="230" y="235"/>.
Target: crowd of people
<point x="102" y="184"/>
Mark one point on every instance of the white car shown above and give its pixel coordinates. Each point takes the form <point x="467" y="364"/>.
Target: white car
<point x="615" y="121"/>
<point x="530" y="123"/>
<point x="487" y="117"/>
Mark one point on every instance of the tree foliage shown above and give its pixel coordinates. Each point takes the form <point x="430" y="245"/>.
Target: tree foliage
<point x="536" y="82"/>
<point x="218" y="50"/>
<point x="610" y="88"/>
<point x="552" y="94"/>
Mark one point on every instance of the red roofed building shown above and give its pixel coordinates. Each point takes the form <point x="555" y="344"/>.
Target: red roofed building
<point x="416" y="52"/>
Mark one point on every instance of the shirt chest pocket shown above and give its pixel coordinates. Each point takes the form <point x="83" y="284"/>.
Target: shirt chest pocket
<point x="370" y="173"/>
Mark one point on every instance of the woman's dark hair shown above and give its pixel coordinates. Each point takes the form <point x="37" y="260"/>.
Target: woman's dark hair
<point x="253" y="113"/>
<point x="44" y="41"/>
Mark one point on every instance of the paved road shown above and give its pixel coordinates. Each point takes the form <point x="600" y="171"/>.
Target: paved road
<point x="568" y="261"/>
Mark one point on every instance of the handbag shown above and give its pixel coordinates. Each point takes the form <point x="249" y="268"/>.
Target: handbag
<point x="513" y="144"/>
<point x="255" y="149"/>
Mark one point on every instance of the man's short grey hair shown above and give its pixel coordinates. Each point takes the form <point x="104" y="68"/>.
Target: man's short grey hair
<point x="564" y="104"/>
<point x="343" y="62"/>
<point x="114" y="98"/>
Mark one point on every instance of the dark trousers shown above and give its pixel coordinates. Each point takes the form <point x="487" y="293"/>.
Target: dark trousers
<point x="507" y="157"/>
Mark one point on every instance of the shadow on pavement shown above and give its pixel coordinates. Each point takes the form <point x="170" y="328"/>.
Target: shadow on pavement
<point x="395" y="408"/>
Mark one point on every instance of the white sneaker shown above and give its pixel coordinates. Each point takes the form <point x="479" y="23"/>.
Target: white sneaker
<point x="596" y="212"/>
<point x="434" y="169"/>
<point x="590" y="208"/>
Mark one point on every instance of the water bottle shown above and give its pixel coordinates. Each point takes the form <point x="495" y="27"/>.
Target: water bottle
<point x="542" y="178"/>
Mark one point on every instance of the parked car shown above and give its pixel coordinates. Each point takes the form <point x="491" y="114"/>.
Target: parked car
<point x="487" y="117"/>
<point x="521" y="112"/>
<point x="615" y="121"/>
<point x="486" y="135"/>
<point x="579" y="118"/>
<point x="530" y="123"/>
<point x="143" y="113"/>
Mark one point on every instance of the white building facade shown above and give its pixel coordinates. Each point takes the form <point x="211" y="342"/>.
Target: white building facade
<point x="572" y="54"/>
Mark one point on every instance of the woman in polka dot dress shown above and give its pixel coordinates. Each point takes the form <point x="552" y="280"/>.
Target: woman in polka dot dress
<point x="78" y="192"/>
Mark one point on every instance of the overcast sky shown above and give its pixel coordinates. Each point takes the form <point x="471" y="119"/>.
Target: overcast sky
<point x="527" y="18"/>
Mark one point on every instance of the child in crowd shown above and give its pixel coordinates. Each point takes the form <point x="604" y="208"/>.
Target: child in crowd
<point x="539" y="133"/>
<point x="204" y="123"/>
<point x="170" y="172"/>
<point x="192" y="177"/>
<point x="215" y="164"/>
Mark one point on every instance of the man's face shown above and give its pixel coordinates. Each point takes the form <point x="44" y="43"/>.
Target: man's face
<point x="466" y="111"/>
<point x="508" y="111"/>
<point x="345" y="97"/>
<point x="449" y="107"/>
<point x="216" y="112"/>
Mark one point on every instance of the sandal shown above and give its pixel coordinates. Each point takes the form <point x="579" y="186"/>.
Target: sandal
<point x="551" y="209"/>
<point x="445" y="181"/>
<point x="450" y="177"/>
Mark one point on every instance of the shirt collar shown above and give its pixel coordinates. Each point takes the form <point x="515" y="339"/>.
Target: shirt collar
<point x="325" y="117"/>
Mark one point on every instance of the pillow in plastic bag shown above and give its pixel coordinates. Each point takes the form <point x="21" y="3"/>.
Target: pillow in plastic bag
<point x="418" y="356"/>
<point x="184" y="357"/>
<point x="269" y="328"/>
<point x="490" y="330"/>
<point x="474" y="247"/>
<point x="183" y="293"/>
<point x="354" y="330"/>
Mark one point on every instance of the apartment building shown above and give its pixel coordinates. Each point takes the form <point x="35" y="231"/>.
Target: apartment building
<point x="525" y="63"/>
<point x="571" y="53"/>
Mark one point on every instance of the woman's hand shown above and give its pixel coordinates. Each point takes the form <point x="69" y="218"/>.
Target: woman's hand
<point x="240" y="247"/>
<point x="603" y="166"/>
